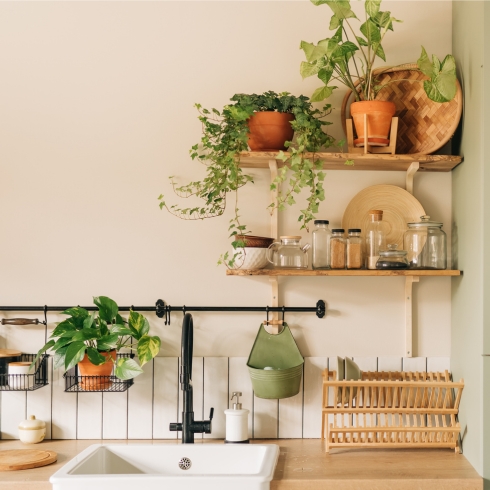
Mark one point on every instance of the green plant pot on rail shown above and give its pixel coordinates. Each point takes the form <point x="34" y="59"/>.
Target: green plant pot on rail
<point x="95" y="339"/>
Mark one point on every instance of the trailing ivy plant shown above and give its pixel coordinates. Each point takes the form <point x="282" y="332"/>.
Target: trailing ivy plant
<point x="88" y="334"/>
<point x="348" y="56"/>
<point x="225" y="135"/>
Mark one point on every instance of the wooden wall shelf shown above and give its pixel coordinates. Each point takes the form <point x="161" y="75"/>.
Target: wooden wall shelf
<point x="342" y="272"/>
<point x="336" y="161"/>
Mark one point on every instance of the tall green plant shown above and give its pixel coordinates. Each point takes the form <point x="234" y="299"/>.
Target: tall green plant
<point x="348" y="56"/>
<point x="225" y="135"/>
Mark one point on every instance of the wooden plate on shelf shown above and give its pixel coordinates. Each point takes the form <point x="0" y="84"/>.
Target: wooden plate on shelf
<point x="424" y="126"/>
<point x="399" y="208"/>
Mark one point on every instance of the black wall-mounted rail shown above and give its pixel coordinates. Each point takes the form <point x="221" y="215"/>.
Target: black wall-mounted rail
<point x="163" y="310"/>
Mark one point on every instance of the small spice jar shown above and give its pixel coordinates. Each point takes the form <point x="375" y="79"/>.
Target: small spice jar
<point x="320" y="243"/>
<point x="337" y="249"/>
<point x="354" y="248"/>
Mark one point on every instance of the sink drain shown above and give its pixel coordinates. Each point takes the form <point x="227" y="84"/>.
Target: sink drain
<point x="185" y="463"/>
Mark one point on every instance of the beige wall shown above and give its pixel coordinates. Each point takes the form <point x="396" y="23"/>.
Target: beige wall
<point x="96" y="111"/>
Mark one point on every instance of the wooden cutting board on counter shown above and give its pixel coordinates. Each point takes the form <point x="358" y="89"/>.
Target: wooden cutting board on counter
<point x="24" y="459"/>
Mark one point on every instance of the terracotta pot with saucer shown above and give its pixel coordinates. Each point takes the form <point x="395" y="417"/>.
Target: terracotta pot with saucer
<point x="379" y="114"/>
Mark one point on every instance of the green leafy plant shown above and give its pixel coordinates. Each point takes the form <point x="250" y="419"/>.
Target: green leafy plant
<point x="225" y="135"/>
<point x="348" y="57"/>
<point x="84" y="333"/>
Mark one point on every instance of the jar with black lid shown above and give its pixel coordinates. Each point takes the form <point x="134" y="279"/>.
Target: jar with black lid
<point x="392" y="258"/>
<point x="337" y="249"/>
<point x="320" y="238"/>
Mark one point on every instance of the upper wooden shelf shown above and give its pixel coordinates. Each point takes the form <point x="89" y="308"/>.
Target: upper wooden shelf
<point x="341" y="272"/>
<point x="336" y="161"/>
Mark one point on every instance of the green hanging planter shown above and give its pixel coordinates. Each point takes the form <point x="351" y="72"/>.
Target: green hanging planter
<point x="275" y="364"/>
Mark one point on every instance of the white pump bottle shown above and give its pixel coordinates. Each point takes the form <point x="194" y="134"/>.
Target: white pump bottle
<point x="237" y="422"/>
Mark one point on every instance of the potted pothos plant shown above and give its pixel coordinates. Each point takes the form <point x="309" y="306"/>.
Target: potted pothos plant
<point x="92" y="340"/>
<point x="228" y="132"/>
<point x="348" y="57"/>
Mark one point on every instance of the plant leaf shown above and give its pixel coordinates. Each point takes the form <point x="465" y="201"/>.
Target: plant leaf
<point x="59" y="358"/>
<point x="74" y="354"/>
<point x="127" y="368"/>
<point x="308" y="69"/>
<point x="107" y="308"/>
<point x="121" y="330"/>
<point x="325" y="74"/>
<point x="96" y="357"/>
<point x="86" y="334"/>
<point x="108" y="342"/>
<point x="371" y="32"/>
<point x="424" y="64"/>
<point x="138" y="324"/>
<point x="341" y="9"/>
<point x="442" y="84"/>
<point x="148" y="348"/>
<point x="372" y="7"/>
<point x="77" y="312"/>
<point x="41" y="351"/>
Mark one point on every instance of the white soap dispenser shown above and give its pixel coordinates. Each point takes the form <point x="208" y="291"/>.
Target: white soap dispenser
<point x="236" y="422"/>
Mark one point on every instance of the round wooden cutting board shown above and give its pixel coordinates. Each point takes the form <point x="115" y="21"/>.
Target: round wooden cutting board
<point x="24" y="459"/>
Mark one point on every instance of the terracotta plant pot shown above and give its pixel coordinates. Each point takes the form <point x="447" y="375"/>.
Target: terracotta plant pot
<point x="95" y="378"/>
<point x="269" y="131"/>
<point x="379" y="114"/>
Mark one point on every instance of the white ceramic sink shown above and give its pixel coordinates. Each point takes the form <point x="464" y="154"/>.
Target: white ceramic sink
<point x="156" y="467"/>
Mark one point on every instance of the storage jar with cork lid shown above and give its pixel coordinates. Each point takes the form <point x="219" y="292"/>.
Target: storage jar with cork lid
<point x="375" y="237"/>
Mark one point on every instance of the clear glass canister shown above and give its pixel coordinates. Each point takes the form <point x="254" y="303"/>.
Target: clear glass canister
<point x="354" y="249"/>
<point x="337" y="249"/>
<point x="375" y="237"/>
<point x="288" y="253"/>
<point x="426" y="244"/>
<point x="392" y="258"/>
<point x="320" y="239"/>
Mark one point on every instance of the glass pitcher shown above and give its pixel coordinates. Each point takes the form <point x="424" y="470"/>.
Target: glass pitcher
<point x="288" y="253"/>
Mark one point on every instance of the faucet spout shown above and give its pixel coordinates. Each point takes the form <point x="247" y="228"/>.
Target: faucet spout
<point x="189" y="426"/>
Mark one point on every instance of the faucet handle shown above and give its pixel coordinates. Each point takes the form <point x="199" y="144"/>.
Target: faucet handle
<point x="211" y="413"/>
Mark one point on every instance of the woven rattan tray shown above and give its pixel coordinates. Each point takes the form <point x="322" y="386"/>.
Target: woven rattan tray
<point x="424" y="126"/>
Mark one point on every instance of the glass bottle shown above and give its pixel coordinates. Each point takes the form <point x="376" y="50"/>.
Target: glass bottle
<point x="337" y="249"/>
<point x="320" y="239"/>
<point x="426" y="244"/>
<point x="354" y="248"/>
<point x="375" y="238"/>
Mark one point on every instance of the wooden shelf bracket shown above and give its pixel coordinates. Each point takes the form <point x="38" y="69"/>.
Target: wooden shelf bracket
<point x="409" y="280"/>
<point x="411" y="171"/>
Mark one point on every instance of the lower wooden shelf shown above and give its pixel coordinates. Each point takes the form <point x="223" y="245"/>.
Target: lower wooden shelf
<point x="343" y="272"/>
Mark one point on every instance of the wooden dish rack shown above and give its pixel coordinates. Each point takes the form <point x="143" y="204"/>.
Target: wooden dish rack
<point x="391" y="410"/>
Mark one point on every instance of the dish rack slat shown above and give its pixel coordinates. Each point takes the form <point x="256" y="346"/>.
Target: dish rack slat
<point x="392" y="410"/>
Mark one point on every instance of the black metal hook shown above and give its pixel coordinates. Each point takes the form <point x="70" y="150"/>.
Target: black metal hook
<point x="320" y="308"/>
<point x="267" y="314"/>
<point x="45" y="323"/>
<point x="283" y="310"/>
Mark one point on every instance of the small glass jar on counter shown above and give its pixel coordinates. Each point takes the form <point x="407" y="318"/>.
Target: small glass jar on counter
<point x="354" y="249"/>
<point x="337" y="249"/>
<point x="426" y="244"/>
<point x="320" y="238"/>
<point x="392" y="258"/>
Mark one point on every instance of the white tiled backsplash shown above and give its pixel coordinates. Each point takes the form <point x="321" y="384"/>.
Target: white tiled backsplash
<point x="145" y="410"/>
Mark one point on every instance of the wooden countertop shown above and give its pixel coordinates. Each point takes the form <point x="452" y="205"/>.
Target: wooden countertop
<point x="302" y="465"/>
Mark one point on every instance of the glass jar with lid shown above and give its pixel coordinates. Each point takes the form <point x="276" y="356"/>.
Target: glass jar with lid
<point x="392" y="258"/>
<point x="320" y="238"/>
<point x="337" y="249"/>
<point x="375" y="237"/>
<point x="288" y="253"/>
<point x="354" y="248"/>
<point x="426" y="244"/>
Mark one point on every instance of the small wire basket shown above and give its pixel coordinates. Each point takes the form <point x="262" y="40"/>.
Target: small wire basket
<point x="27" y="382"/>
<point x="75" y="383"/>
